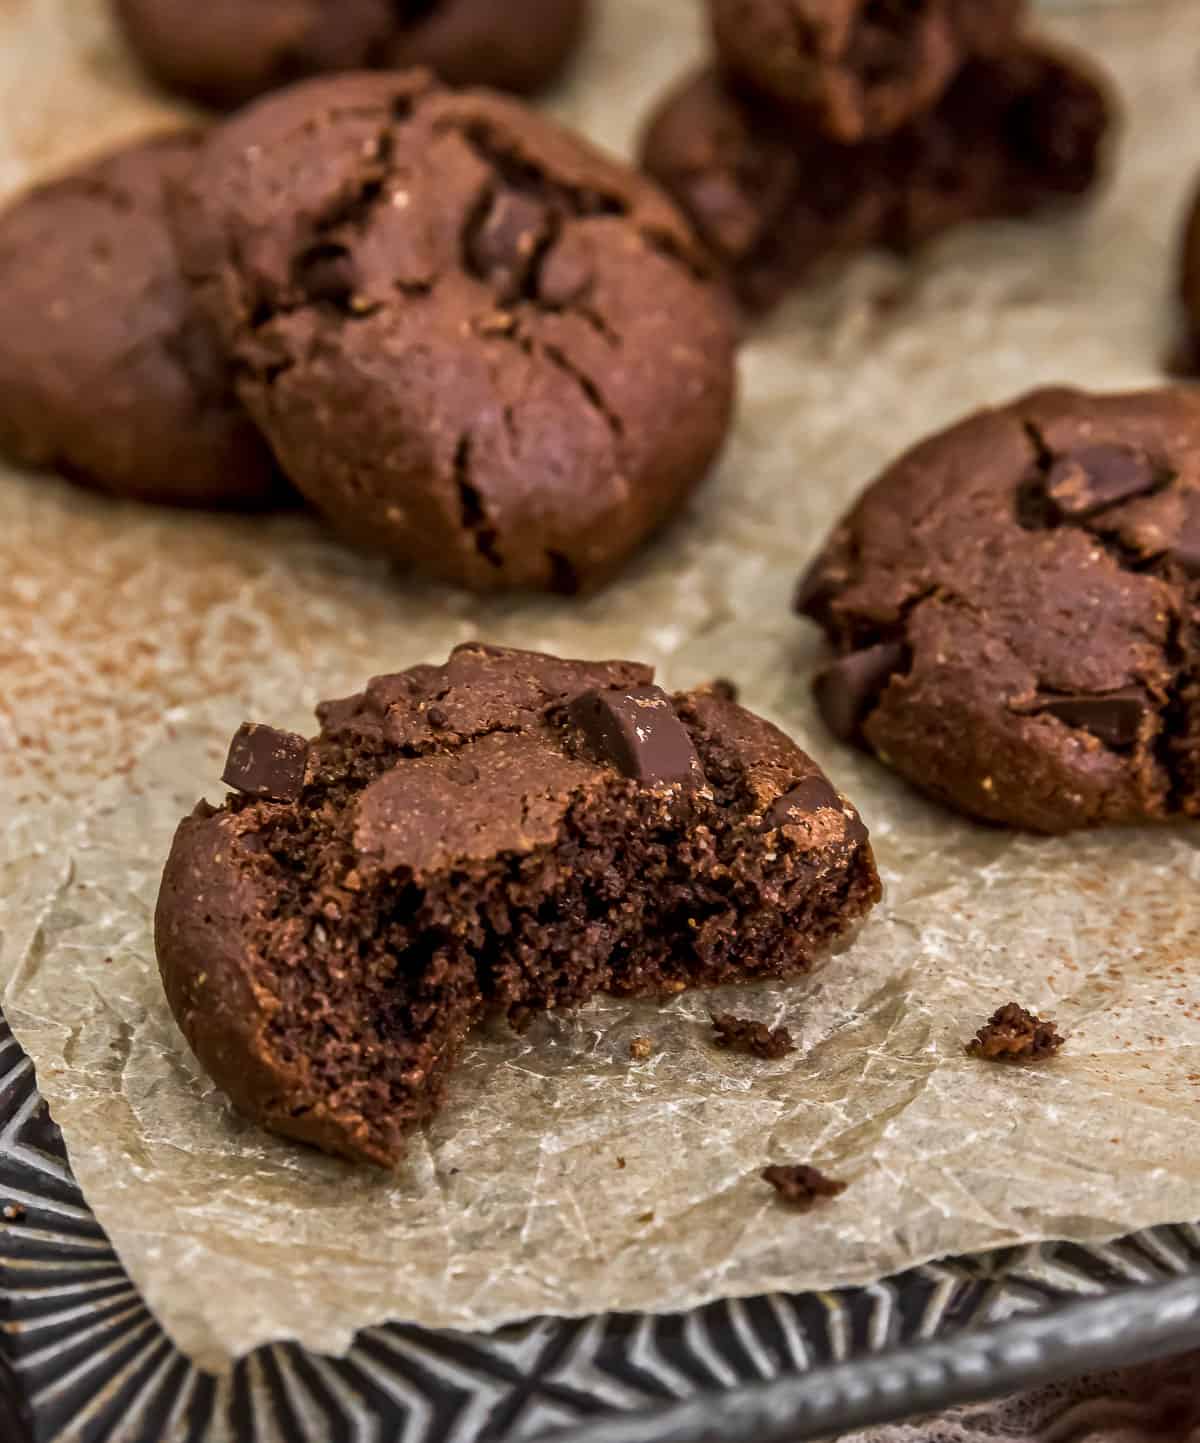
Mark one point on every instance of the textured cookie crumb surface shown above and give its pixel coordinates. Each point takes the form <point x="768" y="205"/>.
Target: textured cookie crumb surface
<point x="802" y="1186"/>
<point x="1013" y="1034"/>
<point x="741" y="1034"/>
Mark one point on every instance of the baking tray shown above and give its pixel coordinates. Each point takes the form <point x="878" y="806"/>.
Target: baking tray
<point x="82" y="1360"/>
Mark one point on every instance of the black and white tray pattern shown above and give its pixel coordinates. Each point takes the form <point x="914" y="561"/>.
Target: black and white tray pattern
<point x="82" y="1359"/>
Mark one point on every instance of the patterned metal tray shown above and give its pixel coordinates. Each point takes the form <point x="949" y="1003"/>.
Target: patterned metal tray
<point x="82" y="1359"/>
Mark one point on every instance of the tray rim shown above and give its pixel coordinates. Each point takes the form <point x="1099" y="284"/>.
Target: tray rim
<point x="1132" y="1325"/>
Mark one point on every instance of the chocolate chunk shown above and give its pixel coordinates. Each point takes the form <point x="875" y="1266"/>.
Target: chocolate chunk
<point x="263" y="762"/>
<point x="639" y="733"/>
<point x="812" y="795"/>
<point x="847" y="690"/>
<point x="741" y="1034"/>
<point x="1115" y="718"/>
<point x="1091" y="478"/>
<point x="803" y="800"/>
<point x="503" y="246"/>
<point x="802" y="1186"/>
<point x="1015" y="1035"/>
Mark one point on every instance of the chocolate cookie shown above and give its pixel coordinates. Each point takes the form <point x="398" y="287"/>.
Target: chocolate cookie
<point x="476" y="343"/>
<point x="505" y="834"/>
<point x="225" y="52"/>
<point x="771" y="198"/>
<point x="858" y="69"/>
<point x="1014" y="607"/>
<point x="107" y="370"/>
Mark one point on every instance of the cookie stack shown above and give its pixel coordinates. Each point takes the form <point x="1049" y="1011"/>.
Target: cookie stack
<point x="827" y="126"/>
<point x="474" y="343"/>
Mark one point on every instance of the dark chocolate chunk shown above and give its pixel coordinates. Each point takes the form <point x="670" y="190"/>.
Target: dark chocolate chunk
<point x="1091" y="478"/>
<point x="809" y="796"/>
<point x="1115" y="718"/>
<point x="848" y="689"/>
<point x="264" y="762"/>
<point x="1014" y="1034"/>
<point x="802" y="1186"/>
<point x="639" y="733"/>
<point x="742" y="1034"/>
<point x="506" y="241"/>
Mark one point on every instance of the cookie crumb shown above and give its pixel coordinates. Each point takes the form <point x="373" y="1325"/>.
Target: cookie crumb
<point x="802" y="1186"/>
<point x="14" y="1213"/>
<point x="641" y="1048"/>
<point x="741" y="1034"/>
<point x="1014" y="1034"/>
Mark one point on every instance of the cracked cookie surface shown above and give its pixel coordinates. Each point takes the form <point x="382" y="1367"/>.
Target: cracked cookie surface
<point x="476" y="343"/>
<point x="858" y="68"/>
<point x="225" y="52"/>
<point x="1015" y="608"/>
<point x="503" y="835"/>
<point x="771" y="197"/>
<point x="108" y="371"/>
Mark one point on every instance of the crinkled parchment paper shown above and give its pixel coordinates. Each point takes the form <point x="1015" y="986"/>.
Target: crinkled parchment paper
<point x="563" y="1177"/>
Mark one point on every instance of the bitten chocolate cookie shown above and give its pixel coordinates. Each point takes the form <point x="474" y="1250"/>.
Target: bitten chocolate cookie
<point x="474" y="342"/>
<point x="225" y="52"/>
<point x="858" y="69"/>
<point x="1014" y="607"/>
<point x="107" y="370"/>
<point x="771" y="198"/>
<point x="505" y="834"/>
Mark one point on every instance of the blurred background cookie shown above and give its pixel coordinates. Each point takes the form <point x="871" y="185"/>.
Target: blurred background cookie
<point x="108" y="372"/>
<point x="225" y="52"/>
<point x="475" y="343"/>
<point x="856" y="69"/>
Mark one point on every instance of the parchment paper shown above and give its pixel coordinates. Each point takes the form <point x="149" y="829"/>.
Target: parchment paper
<point x="563" y="1177"/>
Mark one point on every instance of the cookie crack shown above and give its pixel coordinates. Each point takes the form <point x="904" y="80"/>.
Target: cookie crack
<point x="472" y="510"/>
<point x="595" y="398"/>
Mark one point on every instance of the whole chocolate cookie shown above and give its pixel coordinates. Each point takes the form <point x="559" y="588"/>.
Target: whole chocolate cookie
<point x="858" y="69"/>
<point x="1015" y="608"/>
<point x="108" y="371"/>
<point x="505" y="834"/>
<point x="474" y="342"/>
<point x="771" y="198"/>
<point x="225" y="52"/>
